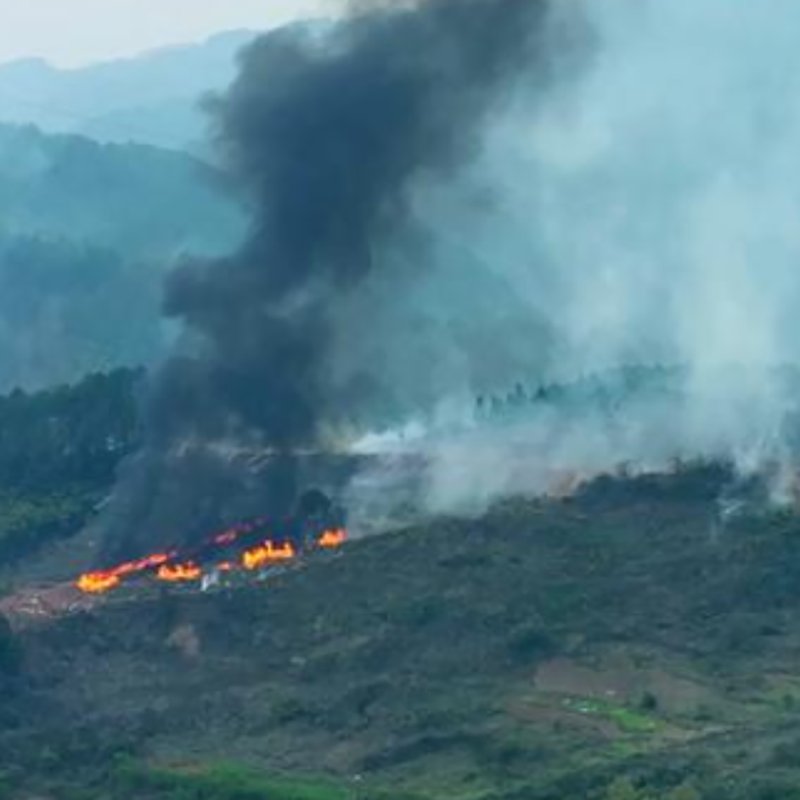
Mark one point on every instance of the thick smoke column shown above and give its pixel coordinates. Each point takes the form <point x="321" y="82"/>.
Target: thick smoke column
<point x="331" y="133"/>
<point x="330" y="138"/>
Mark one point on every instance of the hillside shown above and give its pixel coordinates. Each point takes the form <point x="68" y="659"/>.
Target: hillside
<point x="140" y="200"/>
<point x="87" y="234"/>
<point x="561" y="649"/>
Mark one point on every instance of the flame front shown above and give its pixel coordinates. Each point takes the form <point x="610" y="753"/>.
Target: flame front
<point x="179" y="573"/>
<point x="268" y="553"/>
<point x="330" y="540"/>
<point x="102" y="582"/>
<point x="174" y="567"/>
<point x="142" y="565"/>
<point x="98" y="582"/>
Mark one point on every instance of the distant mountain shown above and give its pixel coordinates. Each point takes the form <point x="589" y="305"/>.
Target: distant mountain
<point x="87" y="233"/>
<point x="151" y="99"/>
<point x="135" y="198"/>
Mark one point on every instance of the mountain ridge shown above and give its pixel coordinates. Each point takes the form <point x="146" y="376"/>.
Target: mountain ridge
<point x="127" y="99"/>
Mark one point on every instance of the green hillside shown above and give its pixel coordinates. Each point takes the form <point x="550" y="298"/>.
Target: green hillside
<point x="87" y="234"/>
<point x="139" y="200"/>
<point x="623" y="644"/>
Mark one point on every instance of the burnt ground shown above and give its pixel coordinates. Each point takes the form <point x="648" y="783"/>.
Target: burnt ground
<point x="542" y="651"/>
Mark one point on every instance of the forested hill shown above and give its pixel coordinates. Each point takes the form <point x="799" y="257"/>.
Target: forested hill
<point x="87" y="234"/>
<point x="71" y="308"/>
<point x="138" y="199"/>
<point x="69" y="435"/>
<point x="59" y="450"/>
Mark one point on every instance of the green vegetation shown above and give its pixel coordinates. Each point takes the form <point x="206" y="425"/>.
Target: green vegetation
<point x="232" y="781"/>
<point x="29" y="521"/>
<point x="59" y="450"/>
<point x="133" y="199"/>
<point x="10" y="658"/>
<point x="88" y="234"/>
<point x="627" y="720"/>
<point x="585" y="649"/>
<point x="624" y="789"/>
<point x="69" y="435"/>
<point x="220" y="782"/>
<point x="6" y="788"/>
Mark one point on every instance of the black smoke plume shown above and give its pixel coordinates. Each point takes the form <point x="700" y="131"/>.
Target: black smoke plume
<point x="329" y="133"/>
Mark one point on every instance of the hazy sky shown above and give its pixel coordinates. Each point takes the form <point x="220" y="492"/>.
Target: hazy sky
<point x="76" y="32"/>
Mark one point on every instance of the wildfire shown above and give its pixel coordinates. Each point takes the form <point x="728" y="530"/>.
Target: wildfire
<point x="184" y="567"/>
<point x="268" y="553"/>
<point x="142" y="565"/>
<point x="102" y="582"/>
<point x="98" y="582"/>
<point x="330" y="540"/>
<point x="179" y="573"/>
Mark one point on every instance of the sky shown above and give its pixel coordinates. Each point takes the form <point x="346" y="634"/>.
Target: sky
<point x="73" y="33"/>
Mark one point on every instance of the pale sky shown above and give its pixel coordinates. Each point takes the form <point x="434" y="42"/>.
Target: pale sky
<point x="76" y="32"/>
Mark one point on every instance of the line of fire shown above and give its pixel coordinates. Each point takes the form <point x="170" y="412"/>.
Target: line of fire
<point x="249" y="546"/>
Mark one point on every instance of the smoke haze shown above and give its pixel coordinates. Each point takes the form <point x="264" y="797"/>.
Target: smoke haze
<point x="649" y="215"/>
<point x="452" y="198"/>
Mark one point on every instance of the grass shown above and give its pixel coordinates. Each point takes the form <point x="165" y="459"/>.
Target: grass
<point x="626" y="719"/>
<point x="229" y="781"/>
<point x="224" y="782"/>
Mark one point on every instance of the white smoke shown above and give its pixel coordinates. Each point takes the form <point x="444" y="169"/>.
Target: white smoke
<point x="648" y="212"/>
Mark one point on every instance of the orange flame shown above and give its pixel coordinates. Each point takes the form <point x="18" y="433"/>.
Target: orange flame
<point x="135" y="567"/>
<point x="98" y="582"/>
<point x="268" y="553"/>
<point x="330" y="540"/>
<point x="179" y="573"/>
<point x="102" y="582"/>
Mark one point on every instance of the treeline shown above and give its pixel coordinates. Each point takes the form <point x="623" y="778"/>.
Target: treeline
<point x="59" y="450"/>
<point x="600" y="392"/>
<point x="70" y="435"/>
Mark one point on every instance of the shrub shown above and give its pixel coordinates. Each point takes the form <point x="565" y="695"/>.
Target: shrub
<point x="528" y="642"/>
<point x="221" y="782"/>
<point x="648" y="702"/>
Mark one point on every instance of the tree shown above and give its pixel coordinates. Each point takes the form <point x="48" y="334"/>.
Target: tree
<point x="10" y="653"/>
